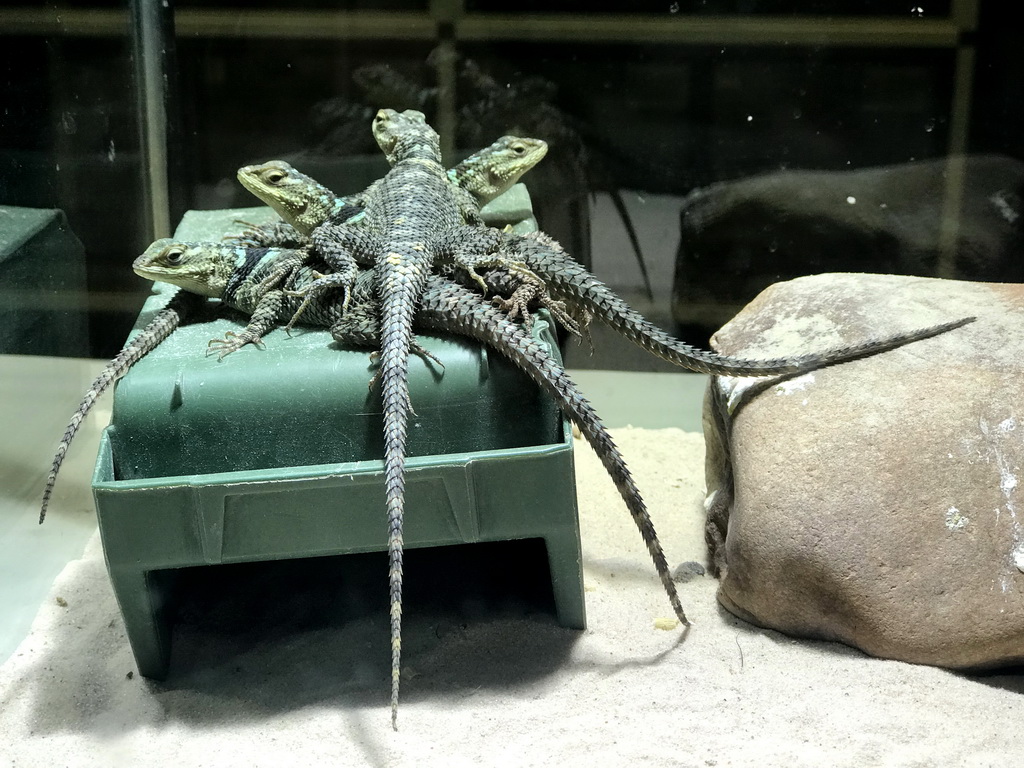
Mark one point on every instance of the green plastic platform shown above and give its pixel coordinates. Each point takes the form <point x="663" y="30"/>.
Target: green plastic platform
<point x="276" y="453"/>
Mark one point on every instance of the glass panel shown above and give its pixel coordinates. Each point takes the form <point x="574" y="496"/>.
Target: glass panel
<point x="643" y="118"/>
<point x="69" y="143"/>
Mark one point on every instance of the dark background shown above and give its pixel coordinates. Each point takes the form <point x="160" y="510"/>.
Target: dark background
<point x="658" y="118"/>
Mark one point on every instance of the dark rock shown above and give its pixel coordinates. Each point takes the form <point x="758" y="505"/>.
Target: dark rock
<point x="738" y="237"/>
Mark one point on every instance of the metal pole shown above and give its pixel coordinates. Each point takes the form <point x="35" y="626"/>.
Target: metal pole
<point x="445" y="14"/>
<point x="152" y="23"/>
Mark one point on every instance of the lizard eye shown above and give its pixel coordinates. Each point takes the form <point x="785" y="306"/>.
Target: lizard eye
<point x="174" y="256"/>
<point x="519" y="149"/>
<point x="273" y="176"/>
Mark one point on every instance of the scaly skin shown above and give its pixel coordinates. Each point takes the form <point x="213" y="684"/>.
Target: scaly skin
<point x="165" y="321"/>
<point x="414" y="206"/>
<point x="449" y="307"/>
<point x="405" y="248"/>
<point x="444" y="306"/>
<point x="483" y="176"/>
<point x="488" y="102"/>
<point x="299" y="200"/>
<point x="568" y="281"/>
<point x="312" y="211"/>
<point x="163" y="324"/>
<point x="306" y="204"/>
<point x="255" y="281"/>
<point x="412" y="219"/>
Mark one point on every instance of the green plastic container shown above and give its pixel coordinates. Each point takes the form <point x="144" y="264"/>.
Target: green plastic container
<point x="43" y="308"/>
<point x="276" y="453"/>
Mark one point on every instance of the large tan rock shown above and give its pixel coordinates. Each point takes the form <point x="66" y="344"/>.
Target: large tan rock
<point x="878" y="502"/>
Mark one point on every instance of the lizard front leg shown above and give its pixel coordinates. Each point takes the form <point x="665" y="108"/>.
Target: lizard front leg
<point x="264" y="318"/>
<point x="470" y="248"/>
<point x="283" y="271"/>
<point x="526" y="293"/>
<point x="343" y="249"/>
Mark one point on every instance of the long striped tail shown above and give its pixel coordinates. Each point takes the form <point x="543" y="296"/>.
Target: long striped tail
<point x="396" y="341"/>
<point x="452" y="307"/>
<point x="166" y="320"/>
<point x="568" y="280"/>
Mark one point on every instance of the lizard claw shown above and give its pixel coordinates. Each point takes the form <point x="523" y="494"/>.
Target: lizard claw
<point x="517" y="268"/>
<point x="534" y="290"/>
<point x="305" y="290"/>
<point x="514" y="307"/>
<point x="272" y="234"/>
<point x="577" y="327"/>
<point x="232" y="342"/>
<point x="251" y="235"/>
<point x="248" y="229"/>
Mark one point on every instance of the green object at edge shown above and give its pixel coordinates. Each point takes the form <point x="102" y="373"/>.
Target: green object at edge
<point x="275" y="453"/>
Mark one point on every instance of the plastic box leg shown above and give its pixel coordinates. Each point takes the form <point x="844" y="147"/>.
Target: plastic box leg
<point x="144" y="598"/>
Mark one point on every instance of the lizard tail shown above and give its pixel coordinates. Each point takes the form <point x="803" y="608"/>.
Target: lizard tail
<point x="396" y="416"/>
<point x="395" y="548"/>
<point x="396" y="342"/>
<point x="166" y="320"/>
<point x="648" y="336"/>
<point x="486" y="323"/>
<point x="567" y="279"/>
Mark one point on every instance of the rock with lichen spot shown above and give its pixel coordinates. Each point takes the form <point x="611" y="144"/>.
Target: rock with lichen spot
<point x="877" y="502"/>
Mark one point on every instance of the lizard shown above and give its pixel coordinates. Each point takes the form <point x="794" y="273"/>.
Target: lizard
<point x="413" y="222"/>
<point x="483" y="175"/>
<point x="181" y="305"/>
<point x="526" y="103"/>
<point x="240" y="274"/>
<point x="238" y="277"/>
<point x="313" y="210"/>
<point x="568" y="281"/>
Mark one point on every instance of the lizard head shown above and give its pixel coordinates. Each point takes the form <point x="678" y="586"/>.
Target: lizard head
<point x="202" y="268"/>
<point x="494" y="170"/>
<point x="406" y="136"/>
<point x="299" y="200"/>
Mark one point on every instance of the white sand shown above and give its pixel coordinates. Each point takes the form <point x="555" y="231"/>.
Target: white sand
<point x="502" y="689"/>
